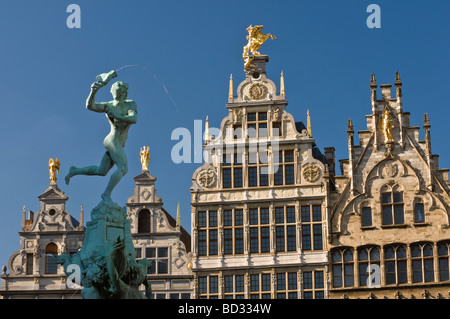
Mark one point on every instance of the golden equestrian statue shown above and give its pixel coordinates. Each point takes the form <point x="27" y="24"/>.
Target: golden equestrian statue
<point x="145" y="158"/>
<point x="255" y="39"/>
<point x="53" y="167"/>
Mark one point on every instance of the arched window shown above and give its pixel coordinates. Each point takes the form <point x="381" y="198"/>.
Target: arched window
<point x="144" y="221"/>
<point x="422" y="262"/>
<point x="392" y="205"/>
<point x="395" y="263"/>
<point x="443" y="253"/>
<point x="369" y="265"/>
<point x="51" y="251"/>
<point x="343" y="273"/>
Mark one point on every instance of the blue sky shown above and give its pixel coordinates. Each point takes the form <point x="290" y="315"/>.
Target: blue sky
<point x="190" y="48"/>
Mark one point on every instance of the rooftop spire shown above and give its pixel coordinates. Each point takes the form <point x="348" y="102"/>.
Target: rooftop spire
<point x="282" y="92"/>
<point x="308" y="123"/>
<point x="178" y="215"/>
<point x="230" y="89"/>
<point x="207" y="130"/>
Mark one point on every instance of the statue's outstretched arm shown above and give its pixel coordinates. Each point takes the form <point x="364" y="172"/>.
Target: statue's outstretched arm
<point x="90" y="102"/>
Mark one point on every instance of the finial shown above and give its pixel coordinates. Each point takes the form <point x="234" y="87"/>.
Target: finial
<point x="145" y="158"/>
<point x="350" y="126"/>
<point x="82" y="216"/>
<point x="372" y="79"/>
<point x="230" y="89"/>
<point x="178" y="214"/>
<point x="308" y="124"/>
<point x="426" y="120"/>
<point x="207" y="137"/>
<point x="53" y="167"/>
<point x="282" y="92"/>
<point x="397" y="78"/>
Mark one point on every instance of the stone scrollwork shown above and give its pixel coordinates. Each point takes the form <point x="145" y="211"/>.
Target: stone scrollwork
<point x="206" y="178"/>
<point x="311" y="172"/>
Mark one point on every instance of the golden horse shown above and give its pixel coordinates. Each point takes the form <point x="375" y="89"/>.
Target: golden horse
<point x="255" y="39"/>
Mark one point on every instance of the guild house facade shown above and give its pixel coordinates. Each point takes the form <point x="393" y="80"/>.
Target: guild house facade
<point x="260" y="200"/>
<point x="33" y="271"/>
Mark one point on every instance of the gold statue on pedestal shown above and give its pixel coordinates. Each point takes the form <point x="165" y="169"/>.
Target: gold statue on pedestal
<point x="255" y="39"/>
<point x="386" y="126"/>
<point x="53" y="167"/>
<point x="145" y="158"/>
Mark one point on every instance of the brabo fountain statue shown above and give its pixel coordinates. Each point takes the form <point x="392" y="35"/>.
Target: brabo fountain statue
<point x="107" y="259"/>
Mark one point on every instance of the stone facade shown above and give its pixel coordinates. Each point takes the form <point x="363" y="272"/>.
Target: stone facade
<point x="388" y="234"/>
<point x="259" y="202"/>
<point x="33" y="271"/>
<point x="160" y="238"/>
<point x="157" y="236"/>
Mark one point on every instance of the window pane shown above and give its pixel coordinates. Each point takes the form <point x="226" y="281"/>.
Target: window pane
<point x="265" y="282"/>
<point x="443" y="269"/>
<point x="228" y="244"/>
<point x="443" y="250"/>
<point x="337" y="256"/>
<point x="317" y="213"/>
<point x="227" y="217"/>
<point x="264" y="215"/>
<point x="162" y="267"/>
<point x="318" y="279"/>
<point x="387" y="215"/>
<point x="401" y="252"/>
<point x="390" y="272"/>
<point x="278" y="175"/>
<point x="228" y="284"/>
<point x="337" y="276"/>
<point x="253" y="216"/>
<point x="417" y="270"/>
<point x="306" y="214"/>
<point x="251" y="130"/>
<point x="398" y="197"/>
<point x="252" y="176"/>
<point x="366" y="216"/>
<point x="389" y="253"/>
<point x="201" y="219"/>
<point x="398" y="214"/>
<point x="279" y="215"/>
<point x="292" y="281"/>
<point x="238" y="217"/>
<point x="239" y="241"/>
<point x="263" y="176"/>
<point x="429" y="270"/>
<point x="226" y="178"/>
<point x="262" y="130"/>
<point x="239" y="283"/>
<point x="402" y="272"/>
<point x="386" y="198"/>
<point x="419" y="213"/>
<point x="162" y="252"/>
<point x="348" y="255"/>
<point x="307" y="280"/>
<point x="290" y="214"/>
<point x="289" y="172"/>
<point x="288" y="156"/>
<point x="212" y="219"/>
<point x="374" y="254"/>
<point x="363" y="255"/>
<point x="265" y="240"/>
<point x="251" y="117"/>
<point x="262" y="116"/>
<point x="237" y="177"/>
<point x="427" y="251"/>
<point x="213" y="284"/>
<point x="348" y="275"/>
<point x="281" y="281"/>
